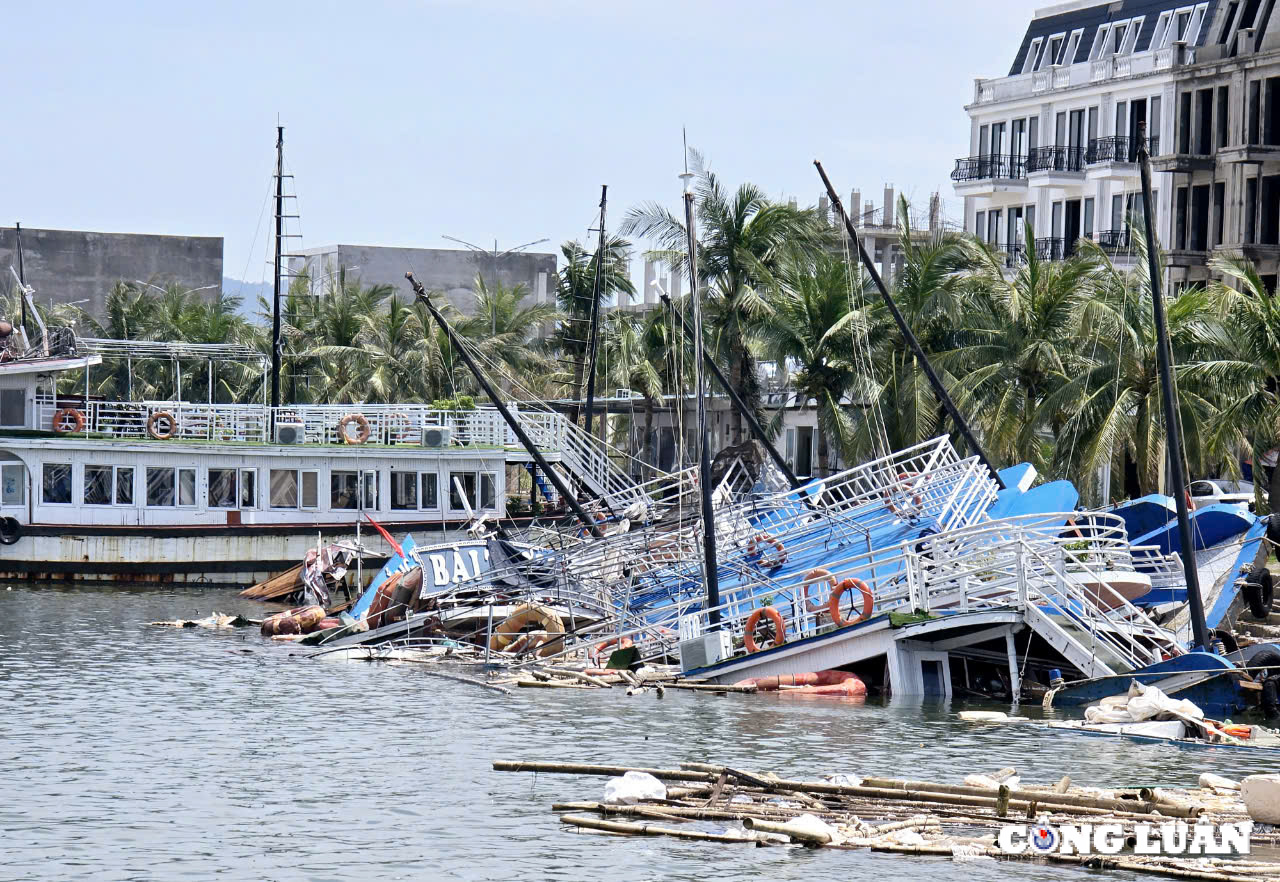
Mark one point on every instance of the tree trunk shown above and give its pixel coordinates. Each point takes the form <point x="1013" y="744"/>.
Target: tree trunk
<point x="649" y="456"/>
<point x="736" y="373"/>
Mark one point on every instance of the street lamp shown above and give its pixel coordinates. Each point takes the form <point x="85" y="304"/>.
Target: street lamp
<point x="188" y="291"/>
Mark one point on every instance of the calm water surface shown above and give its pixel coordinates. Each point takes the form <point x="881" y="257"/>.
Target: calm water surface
<point x="134" y="752"/>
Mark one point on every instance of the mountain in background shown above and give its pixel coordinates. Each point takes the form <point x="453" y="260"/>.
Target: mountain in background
<point x="248" y="292"/>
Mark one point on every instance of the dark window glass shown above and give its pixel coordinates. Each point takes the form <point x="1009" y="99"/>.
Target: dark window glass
<point x="160" y="486"/>
<point x="97" y="485"/>
<point x="57" y="483"/>
<point x="343" y="489"/>
<point x="222" y="488"/>
<point x="468" y="482"/>
<point x="284" y="488"/>
<point x="124" y="485"/>
<point x="430" y="490"/>
<point x="248" y="488"/>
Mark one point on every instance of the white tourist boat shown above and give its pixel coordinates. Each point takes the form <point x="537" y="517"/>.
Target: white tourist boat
<point x="227" y="494"/>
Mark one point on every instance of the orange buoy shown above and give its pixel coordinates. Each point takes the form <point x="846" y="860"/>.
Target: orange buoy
<point x="61" y="424"/>
<point x="901" y="487"/>
<point x="767" y="539"/>
<point x="780" y="633"/>
<point x="166" y="432"/>
<point x="362" y="428"/>
<point x="815" y="577"/>
<point x="302" y="620"/>
<point x="833" y="604"/>
<point x="598" y="650"/>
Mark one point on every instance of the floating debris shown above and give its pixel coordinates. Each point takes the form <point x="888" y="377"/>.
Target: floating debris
<point x="213" y="620"/>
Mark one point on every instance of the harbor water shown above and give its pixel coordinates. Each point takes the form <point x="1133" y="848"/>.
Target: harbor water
<point x="137" y="752"/>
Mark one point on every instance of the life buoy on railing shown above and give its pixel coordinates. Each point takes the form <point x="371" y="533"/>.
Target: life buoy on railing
<point x="833" y="603"/>
<point x="362" y="428"/>
<point x="600" y="519"/>
<point x="396" y="435"/>
<point x="162" y="432"/>
<point x="779" y="630"/>
<point x="902" y="487"/>
<point x="10" y="530"/>
<point x="598" y="650"/>
<point x="60" y="418"/>
<point x="815" y="577"/>
<point x="767" y="539"/>
<point x="509" y="630"/>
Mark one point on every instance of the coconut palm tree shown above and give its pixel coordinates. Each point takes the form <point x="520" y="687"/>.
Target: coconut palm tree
<point x="502" y="330"/>
<point x="813" y="330"/>
<point x="575" y="290"/>
<point x="744" y="240"/>
<point x="636" y="351"/>
<point x="1109" y="409"/>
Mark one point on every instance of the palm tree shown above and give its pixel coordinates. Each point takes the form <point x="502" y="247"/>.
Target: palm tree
<point x="501" y="331"/>
<point x="1110" y="407"/>
<point x="1021" y="343"/>
<point x="327" y="339"/>
<point x="813" y="329"/>
<point x="744" y="240"/>
<point x="575" y="290"/>
<point x="636" y="350"/>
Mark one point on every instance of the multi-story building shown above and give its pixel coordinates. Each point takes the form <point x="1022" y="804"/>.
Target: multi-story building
<point x="1053" y="143"/>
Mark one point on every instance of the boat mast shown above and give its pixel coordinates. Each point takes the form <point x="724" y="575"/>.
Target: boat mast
<point x="22" y="277"/>
<point x="738" y="403"/>
<point x="276" y="352"/>
<point x="594" y="338"/>
<point x="709" y="560"/>
<point x="1173" y="428"/>
<point x="507" y="416"/>
<point x="938" y="389"/>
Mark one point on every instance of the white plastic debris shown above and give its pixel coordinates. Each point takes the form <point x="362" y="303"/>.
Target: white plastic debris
<point x="633" y="787"/>
<point x="989" y="783"/>
<point x="965" y="852"/>
<point x="990" y="717"/>
<point x="814" y="828"/>
<point x="1138" y="704"/>
<point x="844" y="780"/>
<point x="1217" y="782"/>
<point x="1262" y="797"/>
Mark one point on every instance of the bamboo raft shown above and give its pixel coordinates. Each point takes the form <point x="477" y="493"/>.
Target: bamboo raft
<point x="921" y="818"/>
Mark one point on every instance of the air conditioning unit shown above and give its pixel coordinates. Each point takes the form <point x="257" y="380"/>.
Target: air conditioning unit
<point x="436" y="436"/>
<point x="290" y="432"/>
<point x="705" y="649"/>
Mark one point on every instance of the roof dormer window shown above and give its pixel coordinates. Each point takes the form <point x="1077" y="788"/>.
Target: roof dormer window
<point x="1181" y="24"/>
<point x="1100" y="42"/>
<point x="1050" y="55"/>
<point x="1033" y="53"/>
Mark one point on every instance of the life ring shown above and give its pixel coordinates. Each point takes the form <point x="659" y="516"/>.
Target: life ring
<point x="302" y="620"/>
<point x="814" y="577"/>
<point x="10" y="531"/>
<point x="155" y="419"/>
<point x="362" y="428"/>
<point x="60" y="418"/>
<point x="833" y="603"/>
<point x="395" y="436"/>
<point x="768" y="539"/>
<point x="916" y="499"/>
<point x="526" y="614"/>
<point x="600" y="519"/>
<point x="598" y="650"/>
<point x="780" y="633"/>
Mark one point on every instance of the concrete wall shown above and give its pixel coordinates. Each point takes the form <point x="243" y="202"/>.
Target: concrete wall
<point x="72" y="265"/>
<point x="452" y="271"/>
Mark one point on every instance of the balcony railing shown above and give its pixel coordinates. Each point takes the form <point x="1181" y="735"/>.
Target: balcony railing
<point x="1055" y="248"/>
<point x="1015" y="254"/>
<point x="995" y="165"/>
<point x="1112" y="240"/>
<point x="1061" y="159"/>
<point x="1118" y="148"/>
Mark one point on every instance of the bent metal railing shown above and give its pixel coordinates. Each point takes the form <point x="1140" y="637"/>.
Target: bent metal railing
<point x="993" y="165"/>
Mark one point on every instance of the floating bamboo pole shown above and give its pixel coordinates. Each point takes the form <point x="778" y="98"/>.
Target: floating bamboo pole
<point x="648" y="830"/>
<point x="474" y="682"/>
<point x="1044" y="797"/>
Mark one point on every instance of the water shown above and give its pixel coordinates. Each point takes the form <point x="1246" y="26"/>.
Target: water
<point x="135" y="752"/>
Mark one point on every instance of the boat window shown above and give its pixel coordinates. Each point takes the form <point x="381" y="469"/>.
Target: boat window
<point x="1201" y="488"/>
<point x="404" y="491"/>
<point x="467" y="482"/>
<point x="343" y="490"/>
<point x="222" y="488"/>
<point x="97" y="485"/>
<point x="13" y="484"/>
<point x="13" y="407"/>
<point x="369" y="484"/>
<point x="310" y="489"/>
<point x="57" y="483"/>
<point x="186" y="486"/>
<point x="248" y="488"/>
<point x="124" y="485"/>
<point x="488" y="490"/>
<point x="284" y="488"/>
<point x="430" y="495"/>
<point x="160" y="486"/>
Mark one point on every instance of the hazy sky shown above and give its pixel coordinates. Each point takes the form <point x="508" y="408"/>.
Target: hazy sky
<point x="406" y="121"/>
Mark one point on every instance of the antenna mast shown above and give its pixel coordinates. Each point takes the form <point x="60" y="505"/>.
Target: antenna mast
<point x="276" y="343"/>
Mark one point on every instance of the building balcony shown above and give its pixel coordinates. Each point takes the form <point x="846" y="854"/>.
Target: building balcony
<point x="1115" y="157"/>
<point x="1055" y="248"/>
<point x="976" y="175"/>
<point x="1055" y="166"/>
<point x="1183" y="162"/>
<point x="1072" y="76"/>
<point x="1186" y="257"/>
<point x="1251" y="153"/>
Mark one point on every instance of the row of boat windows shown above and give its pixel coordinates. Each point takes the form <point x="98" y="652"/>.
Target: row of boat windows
<point x="226" y="488"/>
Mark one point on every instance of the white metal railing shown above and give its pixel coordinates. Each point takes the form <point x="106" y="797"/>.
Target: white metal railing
<point x="987" y="91"/>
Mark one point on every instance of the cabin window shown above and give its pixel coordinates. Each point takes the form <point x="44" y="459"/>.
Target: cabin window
<point x="462" y="490"/>
<point x="232" y="488"/>
<point x="57" y="483"/>
<point x="167" y="487"/>
<point x="344" y="490"/>
<point x="292" y="488"/>
<point x="98" y="485"/>
<point x="404" y="491"/>
<point x="124" y="485"/>
<point x="13" y="484"/>
<point x="430" y="496"/>
<point x="369" y="486"/>
<point x="13" y="407"/>
<point x="488" y="490"/>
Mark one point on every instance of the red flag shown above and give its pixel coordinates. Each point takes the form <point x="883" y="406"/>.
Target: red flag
<point x="385" y="535"/>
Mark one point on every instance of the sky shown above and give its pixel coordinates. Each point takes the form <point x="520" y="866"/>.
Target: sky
<point x="484" y="120"/>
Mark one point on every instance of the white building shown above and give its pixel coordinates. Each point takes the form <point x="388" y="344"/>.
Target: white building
<point x="1053" y="143"/>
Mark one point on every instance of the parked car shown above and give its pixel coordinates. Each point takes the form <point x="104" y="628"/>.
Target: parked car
<point x="1220" y="490"/>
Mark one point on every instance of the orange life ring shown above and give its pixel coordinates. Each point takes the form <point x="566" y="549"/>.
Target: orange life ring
<point x="1237" y="730"/>
<point x="362" y="428"/>
<point x="901" y="487"/>
<point x="600" y="519"/>
<point x="833" y="603"/>
<point x="768" y="562"/>
<point x="813" y="577"/>
<point x="397" y="435"/>
<point x="158" y="434"/>
<point x="599" y="648"/>
<point x="749" y="636"/>
<point x="60" y="418"/>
